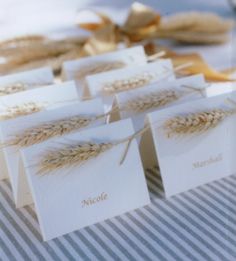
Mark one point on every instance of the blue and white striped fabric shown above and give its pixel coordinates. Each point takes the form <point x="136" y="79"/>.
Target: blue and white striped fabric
<point x="197" y="225"/>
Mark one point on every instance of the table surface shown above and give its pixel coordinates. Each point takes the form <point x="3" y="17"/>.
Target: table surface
<point x="197" y="225"/>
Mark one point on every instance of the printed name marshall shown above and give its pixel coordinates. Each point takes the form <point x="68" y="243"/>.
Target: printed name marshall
<point x="210" y="161"/>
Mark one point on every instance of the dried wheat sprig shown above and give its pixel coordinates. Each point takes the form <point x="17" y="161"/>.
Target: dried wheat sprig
<point x="12" y="88"/>
<point x="151" y="100"/>
<point x="138" y="81"/>
<point x="21" y="110"/>
<point x="128" y="84"/>
<point x="78" y="154"/>
<point x="72" y="155"/>
<point x="196" y="122"/>
<point x="19" y="87"/>
<point x="51" y="129"/>
<point x="98" y="68"/>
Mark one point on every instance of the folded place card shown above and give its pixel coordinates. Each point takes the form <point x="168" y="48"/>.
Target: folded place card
<point x="137" y="103"/>
<point x="78" y="69"/>
<point x="26" y="131"/>
<point x="78" y="180"/>
<point x="191" y="142"/>
<point x="107" y="84"/>
<point x="220" y="88"/>
<point x="23" y="81"/>
<point x="32" y="101"/>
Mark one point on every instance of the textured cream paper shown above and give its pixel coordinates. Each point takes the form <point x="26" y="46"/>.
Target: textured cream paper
<point x="196" y="81"/>
<point x="41" y="76"/>
<point x="129" y="56"/>
<point x="53" y="96"/>
<point x="59" y="197"/>
<point x="161" y="69"/>
<point x="189" y="161"/>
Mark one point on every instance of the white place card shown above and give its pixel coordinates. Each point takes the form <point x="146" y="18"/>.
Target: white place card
<point x="77" y="196"/>
<point x="220" y="88"/>
<point x="188" y="160"/>
<point x="49" y="97"/>
<point x="30" y="79"/>
<point x="125" y="57"/>
<point x="155" y="71"/>
<point x="180" y="84"/>
<point x="15" y="127"/>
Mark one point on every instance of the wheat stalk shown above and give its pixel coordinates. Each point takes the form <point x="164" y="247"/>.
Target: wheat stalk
<point x="12" y="88"/>
<point x="127" y="84"/>
<point x="78" y="154"/>
<point x="98" y="68"/>
<point x="48" y="130"/>
<point x="21" y="110"/>
<point x="72" y="155"/>
<point x="196" y="122"/>
<point x="151" y="100"/>
<point x="21" y="41"/>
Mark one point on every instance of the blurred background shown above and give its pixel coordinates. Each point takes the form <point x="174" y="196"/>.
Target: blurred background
<point x="58" y="17"/>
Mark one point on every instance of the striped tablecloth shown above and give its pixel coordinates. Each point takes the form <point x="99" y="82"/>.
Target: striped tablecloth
<point x="197" y="225"/>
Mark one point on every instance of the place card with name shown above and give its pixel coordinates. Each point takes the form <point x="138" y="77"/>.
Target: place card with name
<point x="190" y="142"/>
<point x="79" y="179"/>
<point x="78" y="69"/>
<point x="25" y="103"/>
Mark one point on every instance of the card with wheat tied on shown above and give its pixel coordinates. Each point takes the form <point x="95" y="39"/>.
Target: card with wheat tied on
<point x="135" y="104"/>
<point x="23" y="81"/>
<point x="191" y="142"/>
<point x="26" y="103"/>
<point x="107" y="84"/>
<point x="33" y="129"/>
<point x="90" y="184"/>
<point x="77" y="70"/>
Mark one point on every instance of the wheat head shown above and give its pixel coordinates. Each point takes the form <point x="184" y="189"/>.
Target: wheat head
<point x="21" y="110"/>
<point x="12" y="88"/>
<point x="98" y="68"/>
<point x="71" y="155"/>
<point x="127" y="84"/>
<point x="45" y="131"/>
<point x="196" y="122"/>
<point x="152" y="100"/>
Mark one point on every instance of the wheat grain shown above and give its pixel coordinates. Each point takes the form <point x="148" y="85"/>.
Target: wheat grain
<point x="13" y="88"/>
<point x="21" y="110"/>
<point x="98" y="68"/>
<point x="151" y="100"/>
<point x="48" y="130"/>
<point x="72" y="155"/>
<point x="196" y="122"/>
<point x="127" y="84"/>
